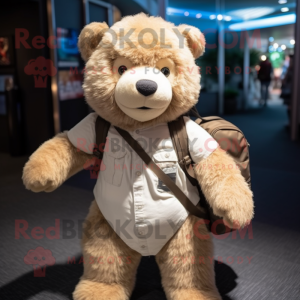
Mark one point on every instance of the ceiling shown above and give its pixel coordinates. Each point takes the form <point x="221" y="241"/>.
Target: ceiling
<point x="236" y="9"/>
<point x="257" y="10"/>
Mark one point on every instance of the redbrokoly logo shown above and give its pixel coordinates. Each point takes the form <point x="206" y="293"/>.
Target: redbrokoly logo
<point x="39" y="258"/>
<point x="40" y="68"/>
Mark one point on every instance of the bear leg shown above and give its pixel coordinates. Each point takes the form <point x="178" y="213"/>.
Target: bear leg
<point x="109" y="264"/>
<point x="186" y="264"/>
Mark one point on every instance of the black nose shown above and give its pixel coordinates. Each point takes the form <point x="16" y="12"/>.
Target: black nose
<point x="146" y="87"/>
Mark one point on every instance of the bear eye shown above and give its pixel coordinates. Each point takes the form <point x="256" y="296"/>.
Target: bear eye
<point x="122" y="69"/>
<point x="165" y="71"/>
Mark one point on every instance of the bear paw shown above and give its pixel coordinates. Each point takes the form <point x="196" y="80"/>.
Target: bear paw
<point x="235" y="202"/>
<point x="40" y="177"/>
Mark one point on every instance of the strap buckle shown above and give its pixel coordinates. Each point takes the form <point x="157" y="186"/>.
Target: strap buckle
<point x="96" y="152"/>
<point x="187" y="161"/>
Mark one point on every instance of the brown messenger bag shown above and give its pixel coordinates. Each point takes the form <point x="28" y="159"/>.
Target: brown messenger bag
<point x="230" y="138"/>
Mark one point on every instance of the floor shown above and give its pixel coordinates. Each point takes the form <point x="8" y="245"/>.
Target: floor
<point x="264" y="264"/>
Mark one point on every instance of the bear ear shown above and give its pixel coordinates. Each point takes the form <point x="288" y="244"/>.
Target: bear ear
<point x="195" y="39"/>
<point x="90" y="37"/>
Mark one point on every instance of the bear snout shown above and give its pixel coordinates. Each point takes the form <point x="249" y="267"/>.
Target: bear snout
<point x="146" y="87"/>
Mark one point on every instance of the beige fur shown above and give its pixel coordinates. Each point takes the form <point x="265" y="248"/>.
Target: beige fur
<point x="103" y="280"/>
<point x="183" y="276"/>
<point x="195" y="39"/>
<point x="55" y="161"/>
<point x="185" y="262"/>
<point x="186" y="86"/>
<point x="129" y="99"/>
<point x="89" y="38"/>
<point x="225" y="188"/>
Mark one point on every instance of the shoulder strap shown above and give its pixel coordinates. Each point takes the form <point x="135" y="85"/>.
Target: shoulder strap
<point x="194" y="112"/>
<point x="101" y="129"/>
<point x="184" y="200"/>
<point x="180" y="141"/>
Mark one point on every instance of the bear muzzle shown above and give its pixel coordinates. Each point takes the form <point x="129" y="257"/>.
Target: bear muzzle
<point x="146" y="87"/>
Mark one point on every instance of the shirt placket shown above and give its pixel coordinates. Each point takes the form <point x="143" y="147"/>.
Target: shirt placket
<point x="139" y="206"/>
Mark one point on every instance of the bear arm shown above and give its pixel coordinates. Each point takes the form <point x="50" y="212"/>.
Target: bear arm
<point x="52" y="163"/>
<point x="225" y="188"/>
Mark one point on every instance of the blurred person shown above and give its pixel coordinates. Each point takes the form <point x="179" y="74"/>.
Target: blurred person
<point x="286" y="88"/>
<point x="276" y="81"/>
<point x="285" y="66"/>
<point x="264" y="76"/>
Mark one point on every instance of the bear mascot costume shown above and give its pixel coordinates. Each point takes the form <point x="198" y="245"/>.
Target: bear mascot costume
<point x="140" y="75"/>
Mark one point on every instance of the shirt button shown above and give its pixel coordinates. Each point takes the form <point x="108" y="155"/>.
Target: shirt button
<point x="141" y="231"/>
<point x="143" y="246"/>
<point x="138" y="173"/>
<point x="139" y="206"/>
<point x="137" y="131"/>
<point x="167" y="155"/>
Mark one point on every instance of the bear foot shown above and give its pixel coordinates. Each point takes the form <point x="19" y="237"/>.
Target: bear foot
<point x="90" y="290"/>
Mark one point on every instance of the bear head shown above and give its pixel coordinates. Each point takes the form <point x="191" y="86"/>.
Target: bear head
<point x="141" y="71"/>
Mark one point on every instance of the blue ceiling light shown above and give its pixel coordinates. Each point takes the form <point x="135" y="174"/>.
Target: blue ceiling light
<point x="264" y="23"/>
<point x="282" y="1"/>
<point x="285" y="9"/>
<point x="251" y="12"/>
<point x="172" y="11"/>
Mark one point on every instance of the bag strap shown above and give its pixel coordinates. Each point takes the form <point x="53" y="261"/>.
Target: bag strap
<point x="194" y="112"/>
<point x="184" y="200"/>
<point x="101" y="129"/>
<point x="180" y="141"/>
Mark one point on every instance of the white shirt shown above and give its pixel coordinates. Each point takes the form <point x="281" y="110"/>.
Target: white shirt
<point x="137" y="205"/>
